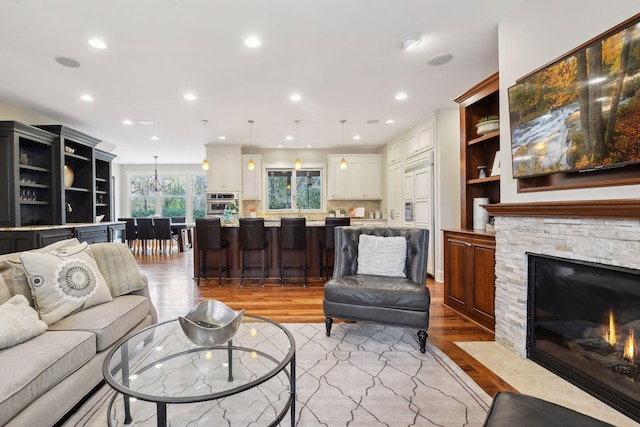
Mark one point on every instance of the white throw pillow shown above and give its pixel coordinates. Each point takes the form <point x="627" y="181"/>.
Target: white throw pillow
<point x="64" y="281"/>
<point x="382" y="256"/>
<point x="18" y="322"/>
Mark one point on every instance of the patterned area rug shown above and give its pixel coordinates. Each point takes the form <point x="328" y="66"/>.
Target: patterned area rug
<point x="363" y="375"/>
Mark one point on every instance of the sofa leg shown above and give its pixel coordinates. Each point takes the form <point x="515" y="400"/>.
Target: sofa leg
<point x="422" y="337"/>
<point x="328" y="321"/>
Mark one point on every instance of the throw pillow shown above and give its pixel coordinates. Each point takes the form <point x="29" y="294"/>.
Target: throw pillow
<point x="5" y="292"/>
<point x="64" y="281"/>
<point x="119" y="267"/>
<point x="382" y="256"/>
<point x="18" y="322"/>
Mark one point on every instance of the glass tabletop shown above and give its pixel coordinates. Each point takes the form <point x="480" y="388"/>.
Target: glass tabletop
<point x="160" y="364"/>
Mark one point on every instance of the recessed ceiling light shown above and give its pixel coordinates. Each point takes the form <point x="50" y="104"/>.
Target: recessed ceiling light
<point x="252" y="42"/>
<point x="289" y="138"/>
<point x="127" y="122"/>
<point x="401" y="96"/>
<point x="410" y="42"/>
<point x="154" y="138"/>
<point x="145" y="122"/>
<point x="222" y="137"/>
<point x="295" y="97"/>
<point x="67" y="62"/>
<point x="356" y="137"/>
<point x="390" y="121"/>
<point x="279" y="145"/>
<point x="308" y="145"/>
<point x="440" y="59"/>
<point x="190" y="97"/>
<point x="86" y="97"/>
<point x="97" y="43"/>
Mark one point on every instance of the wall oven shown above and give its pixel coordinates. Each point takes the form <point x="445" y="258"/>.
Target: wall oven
<point x="217" y="202"/>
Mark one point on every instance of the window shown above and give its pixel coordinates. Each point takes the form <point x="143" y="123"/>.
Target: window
<point x="183" y="195"/>
<point x="290" y="190"/>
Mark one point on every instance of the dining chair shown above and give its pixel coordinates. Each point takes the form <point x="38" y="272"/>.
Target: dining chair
<point x="145" y="233"/>
<point x="162" y="232"/>
<point x="130" y="233"/>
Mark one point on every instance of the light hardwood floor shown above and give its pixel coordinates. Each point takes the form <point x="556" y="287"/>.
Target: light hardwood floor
<point x="174" y="293"/>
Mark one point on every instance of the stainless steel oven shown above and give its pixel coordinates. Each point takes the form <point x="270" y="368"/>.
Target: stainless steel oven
<point x="217" y="202"/>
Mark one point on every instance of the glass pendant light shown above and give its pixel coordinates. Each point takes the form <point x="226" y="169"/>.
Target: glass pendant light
<point x="251" y="165"/>
<point x="343" y="162"/>
<point x="205" y="162"/>
<point x="297" y="164"/>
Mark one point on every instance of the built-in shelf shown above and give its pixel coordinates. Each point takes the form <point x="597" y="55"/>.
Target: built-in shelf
<point x="614" y="209"/>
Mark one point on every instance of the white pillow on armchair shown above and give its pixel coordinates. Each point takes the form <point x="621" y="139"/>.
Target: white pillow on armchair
<point x="382" y="256"/>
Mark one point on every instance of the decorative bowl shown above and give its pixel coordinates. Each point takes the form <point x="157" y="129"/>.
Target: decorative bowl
<point x="99" y="218"/>
<point x="69" y="150"/>
<point x="211" y="322"/>
<point x="487" y="127"/>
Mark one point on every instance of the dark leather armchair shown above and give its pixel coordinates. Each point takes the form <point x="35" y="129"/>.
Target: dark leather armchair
<point x="386" y="300"/>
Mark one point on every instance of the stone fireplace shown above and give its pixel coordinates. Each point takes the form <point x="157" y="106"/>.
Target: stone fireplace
<point x="604" y="232"/>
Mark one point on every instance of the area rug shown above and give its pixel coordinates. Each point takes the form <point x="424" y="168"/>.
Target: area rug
<point x="362" y="375"/>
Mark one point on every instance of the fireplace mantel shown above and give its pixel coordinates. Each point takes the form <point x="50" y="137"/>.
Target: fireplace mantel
<point x="617" y="208"/>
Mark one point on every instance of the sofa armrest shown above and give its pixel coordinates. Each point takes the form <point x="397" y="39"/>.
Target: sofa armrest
<point x="145" y="293"/>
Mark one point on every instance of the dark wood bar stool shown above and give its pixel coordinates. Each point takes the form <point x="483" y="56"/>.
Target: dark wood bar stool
<point x="209" y="238"/>
<point x="327" y="245"/>
<point x="293" y="237"/>
<point x="252" y="239"/>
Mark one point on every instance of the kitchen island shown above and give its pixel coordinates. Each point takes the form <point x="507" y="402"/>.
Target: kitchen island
<point x="315" y="232"/>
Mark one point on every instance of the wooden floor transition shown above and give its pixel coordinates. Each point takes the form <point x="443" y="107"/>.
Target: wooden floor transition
<point x="175" y="292"/>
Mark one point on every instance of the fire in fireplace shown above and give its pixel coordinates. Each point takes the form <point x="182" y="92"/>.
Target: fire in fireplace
<point x="583" y="319"/>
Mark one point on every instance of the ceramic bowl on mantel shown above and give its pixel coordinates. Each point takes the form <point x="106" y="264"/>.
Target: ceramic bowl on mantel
<point x="211" y="323"/>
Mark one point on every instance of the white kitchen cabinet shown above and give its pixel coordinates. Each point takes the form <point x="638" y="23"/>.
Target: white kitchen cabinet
<point x="362" y="180"/>
<point x="224" y="169"/>
<point x="394" y="152"/>
<point x="252" y="179"/>
<point x="394" y="195"/>
<point x="337" y="180"/>
<point x="421" y="138"/>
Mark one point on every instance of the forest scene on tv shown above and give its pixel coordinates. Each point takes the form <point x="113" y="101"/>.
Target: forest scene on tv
<point x="580" y="113"/>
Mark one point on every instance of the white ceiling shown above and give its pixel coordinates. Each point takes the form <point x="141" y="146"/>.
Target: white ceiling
<point x="342" y="56"/>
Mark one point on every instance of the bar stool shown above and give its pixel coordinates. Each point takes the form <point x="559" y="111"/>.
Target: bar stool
<point x="293" y="237"/>
<point x="209" y="238"/>
<point x="252" y="239"/>
<point x="145" y="232"/>
<point x="328" y="243"/>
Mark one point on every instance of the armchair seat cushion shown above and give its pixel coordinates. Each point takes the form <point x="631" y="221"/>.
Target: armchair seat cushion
<point x="378" y="291"/>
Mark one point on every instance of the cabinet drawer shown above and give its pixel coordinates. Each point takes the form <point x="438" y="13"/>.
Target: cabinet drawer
<point x="90" y="235"/>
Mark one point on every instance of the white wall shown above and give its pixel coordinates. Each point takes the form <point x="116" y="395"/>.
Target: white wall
<point x="535" y="34"/>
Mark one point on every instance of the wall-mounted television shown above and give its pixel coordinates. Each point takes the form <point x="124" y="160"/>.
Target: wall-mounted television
<point x="581" y="112"/>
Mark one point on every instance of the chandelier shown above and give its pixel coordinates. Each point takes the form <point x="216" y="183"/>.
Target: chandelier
<point x="153" y="185"/>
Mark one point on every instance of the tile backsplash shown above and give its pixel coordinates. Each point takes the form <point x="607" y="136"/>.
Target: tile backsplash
<point x="368" y="205"/>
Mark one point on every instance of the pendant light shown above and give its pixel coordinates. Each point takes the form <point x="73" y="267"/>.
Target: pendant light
<point x="297" y="164"/>
<point x="205" y="162"/>
<point x="251" y="165"/>
<point x="343" y="162"/>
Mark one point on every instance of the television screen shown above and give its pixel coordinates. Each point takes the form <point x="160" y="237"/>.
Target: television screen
<point x="582" y="112"/>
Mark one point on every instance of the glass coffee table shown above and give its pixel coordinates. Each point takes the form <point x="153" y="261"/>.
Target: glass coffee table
<point x="164" y="379"/>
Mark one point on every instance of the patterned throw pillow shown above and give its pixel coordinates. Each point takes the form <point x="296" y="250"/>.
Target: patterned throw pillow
<point x="64" y="281"/>
<point x="382" y="256"/>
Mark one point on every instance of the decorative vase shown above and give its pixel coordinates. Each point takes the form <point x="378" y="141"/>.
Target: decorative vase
<point x="68" y="176"/>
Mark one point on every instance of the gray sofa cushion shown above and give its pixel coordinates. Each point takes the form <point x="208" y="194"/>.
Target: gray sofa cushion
<point x="109" y="321"/>
<point x="378" y="291"/>
<point x="33" y="367"/>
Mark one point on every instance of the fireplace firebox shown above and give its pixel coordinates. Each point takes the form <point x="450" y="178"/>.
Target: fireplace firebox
<point x="583" y="323"/>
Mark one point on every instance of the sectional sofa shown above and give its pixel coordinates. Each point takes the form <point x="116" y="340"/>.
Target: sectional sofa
<point x="59" y="361"/>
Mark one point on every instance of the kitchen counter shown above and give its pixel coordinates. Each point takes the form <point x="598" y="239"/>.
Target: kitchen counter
<point x="57" y="227"/>
<point x="364" y="222"/>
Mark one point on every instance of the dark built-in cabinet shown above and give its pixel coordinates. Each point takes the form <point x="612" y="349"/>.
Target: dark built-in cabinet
<point x="52" y="175"/>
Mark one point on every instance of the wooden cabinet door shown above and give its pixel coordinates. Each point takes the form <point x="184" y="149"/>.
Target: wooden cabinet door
<point x="455" y="271"/>
<point x="482" y="301"/>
